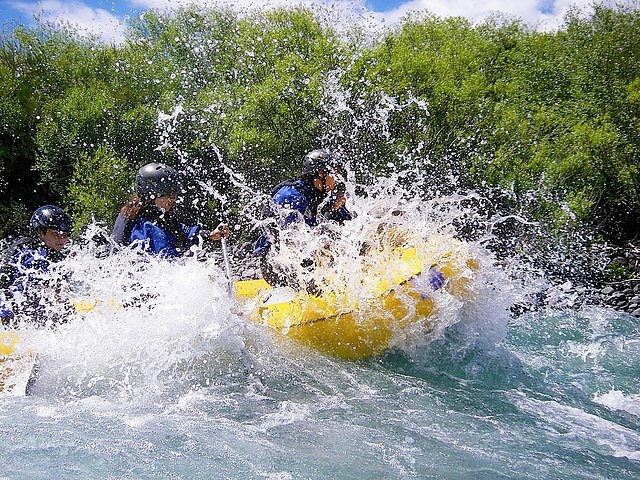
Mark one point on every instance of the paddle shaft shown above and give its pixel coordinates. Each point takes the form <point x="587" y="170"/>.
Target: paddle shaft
<point x="227" y="265"/>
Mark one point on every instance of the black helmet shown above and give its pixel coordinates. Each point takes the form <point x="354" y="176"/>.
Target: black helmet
<point x="157" y="179"/>
<point x="50" y="217"/>
<point x="319" y="159"/>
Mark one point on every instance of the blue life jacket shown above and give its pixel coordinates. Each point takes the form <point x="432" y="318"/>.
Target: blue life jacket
<point x="6" y="312"/>
<point x="24" y="260"/>
<point x="161" y="234"/>
<point x="298" y="201"/>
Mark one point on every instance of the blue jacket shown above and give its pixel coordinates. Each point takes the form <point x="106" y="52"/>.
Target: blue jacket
<point x="161" y="242"/>
<point x="297" y="201"/>
<point x="158" y="233"/>
<point x="23" y="262"/>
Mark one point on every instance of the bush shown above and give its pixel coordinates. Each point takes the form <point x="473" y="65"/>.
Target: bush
<point x="551" y="116"/>
<point x="100" y="184"/>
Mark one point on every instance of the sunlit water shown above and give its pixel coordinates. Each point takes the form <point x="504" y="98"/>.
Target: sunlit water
<point x="176" y="385"/>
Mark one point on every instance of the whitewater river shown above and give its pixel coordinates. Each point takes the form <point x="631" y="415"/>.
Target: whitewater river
<point x="179" y="386"/>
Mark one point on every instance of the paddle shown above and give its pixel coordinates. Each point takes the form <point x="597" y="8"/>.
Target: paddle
<point x="227" y="264"/>
<point x="18" y="365"/>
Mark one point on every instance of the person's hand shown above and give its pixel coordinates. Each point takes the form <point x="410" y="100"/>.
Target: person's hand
<point x="221" y="230"/>
<point x="338" y="201"/>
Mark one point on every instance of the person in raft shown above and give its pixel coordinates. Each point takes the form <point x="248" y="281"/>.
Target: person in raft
<point x="316" y="197"/>
<point x="148" y="217"/>
<point x="25" y="282"/>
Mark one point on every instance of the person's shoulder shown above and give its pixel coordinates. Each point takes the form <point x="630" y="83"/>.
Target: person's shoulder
<point x="23" y="242"/>
<point x="22" y="245"/>
<point x="288" y="192"/>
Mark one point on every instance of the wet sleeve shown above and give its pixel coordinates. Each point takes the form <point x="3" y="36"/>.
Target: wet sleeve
<point x="6" y="313"/>
<point x="121" y="231"/>
<point x="191" y="232"/>
<point x="292" y="201"/>
<point x="342" y="214"/>
<point x="7" y="273"/>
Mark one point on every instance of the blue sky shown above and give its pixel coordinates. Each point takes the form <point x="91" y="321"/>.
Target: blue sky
<point x="105" y="17"/>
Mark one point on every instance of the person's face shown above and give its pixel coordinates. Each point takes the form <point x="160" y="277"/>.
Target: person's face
<point x="54" y="239"/>
<point x="166" y="202"/>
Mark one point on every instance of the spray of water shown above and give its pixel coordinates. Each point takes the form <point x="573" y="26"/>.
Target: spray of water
<point x="153" y="324"/>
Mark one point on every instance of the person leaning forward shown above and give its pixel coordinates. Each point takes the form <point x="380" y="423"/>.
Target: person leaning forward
<point x="148" y="217"/>
<point x="27" y="262"/>
<point x="316" y="197"/>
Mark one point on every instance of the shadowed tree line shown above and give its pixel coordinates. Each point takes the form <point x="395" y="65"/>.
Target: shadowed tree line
<point x="551" y="117"/>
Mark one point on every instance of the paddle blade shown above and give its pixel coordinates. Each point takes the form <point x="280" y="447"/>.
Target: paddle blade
<point x="17" y="374"/>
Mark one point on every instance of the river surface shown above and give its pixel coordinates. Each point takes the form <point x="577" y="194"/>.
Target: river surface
<point x="179" y="386"/>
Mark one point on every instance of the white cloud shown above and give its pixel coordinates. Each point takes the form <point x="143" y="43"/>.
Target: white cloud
<point x="239" y="4"/>
<point x="544" y="14"/>
<point x="541" y="14"/>
<point x="96" y="21"/>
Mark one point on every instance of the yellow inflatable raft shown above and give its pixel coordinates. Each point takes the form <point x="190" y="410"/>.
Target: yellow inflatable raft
<point x="17" y="364"/>
<point x="398" y="292"/>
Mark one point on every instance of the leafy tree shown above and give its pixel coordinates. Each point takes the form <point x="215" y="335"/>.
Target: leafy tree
<point x="100" y="184"/>
<point x="552" y="117"/>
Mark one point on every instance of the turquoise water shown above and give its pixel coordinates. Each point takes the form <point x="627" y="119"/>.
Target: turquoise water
<point x="179" y="386"/>
<point x="191" y="390"/>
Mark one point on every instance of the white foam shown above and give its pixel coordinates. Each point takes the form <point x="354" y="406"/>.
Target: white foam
<point x="289" y="412"/>
<point x="617" y="400"/>
<point x="605" y="435"/>
<point x="183" y="311"/>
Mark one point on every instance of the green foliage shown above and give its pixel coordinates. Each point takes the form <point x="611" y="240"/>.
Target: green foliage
<point x="15" y="216"/>
<point x="287" y="58"/>
<point x="556" y="114"/>
<point x="617" y="273"/>
<point x="98" y="187"/>
<point x="72" y="125"/>
<point x="569" y="123"/>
